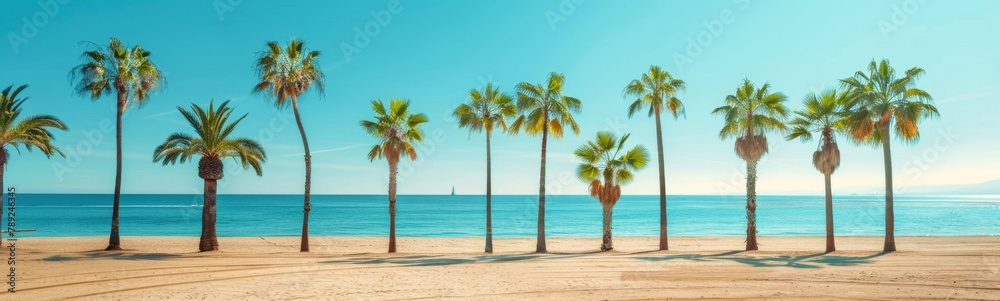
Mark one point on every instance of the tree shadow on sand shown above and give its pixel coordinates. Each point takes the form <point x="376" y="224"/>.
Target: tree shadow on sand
<point x="116" y="256"/>
<point x="810" y="261"/>
<point x="444" y="261"/>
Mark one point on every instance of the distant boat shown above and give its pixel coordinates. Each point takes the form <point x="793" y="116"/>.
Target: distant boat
<point x="452" y="190"/>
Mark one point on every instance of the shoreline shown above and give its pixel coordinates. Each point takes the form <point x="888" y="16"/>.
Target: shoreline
<point x="358" y="268"/>
<point x="472" y="245"/>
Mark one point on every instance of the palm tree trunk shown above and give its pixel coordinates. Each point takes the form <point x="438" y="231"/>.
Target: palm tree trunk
<point x="540" y="247"/>
<point x="3" y="167"/>
<point x="489" y="194"/>
<point x="392" y="206"/>
<point x="209" y="240"/>
<point x="890" y="227"/>
<point x="304" y="247"/>
<point x="606" y="245"/>
<point x="663" y="184"/>
<point x="114" y="242"/>
<point x="751" y="205"/>
<point x="830" y="247"/>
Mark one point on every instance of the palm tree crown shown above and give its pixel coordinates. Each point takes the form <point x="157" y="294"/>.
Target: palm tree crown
<point x="657" y="90"/>
<point x="606" y="164"/>
<point x="127" y="70"/>
<point x="486" y="110"/>
<point x="749" y="115"/>
<point x="397" y="128"/>
<point x="211" y="140"/>
<point x="546" y="108"/>
<point x="30" y="132"/>
<point x="823" y="114"/>
<point x="879" y="100"/>
<point x="288" y="72"/>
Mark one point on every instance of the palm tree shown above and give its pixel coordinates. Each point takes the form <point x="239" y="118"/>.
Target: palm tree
<point x="657" y="89"/>
<point x="397" y="130"/>
<point x="605" y="166"/>
<point x="287" y="73"/>
<point x="129" y="72"/>
<point x="30" y="132"/>
<point x="749" y="115"/>
<point x="823" y="114"/>
<point x="212" y="142"/>
<point x="545" y="110"/>
<point x="486" y="110"/>
<point x="880" y="102"/>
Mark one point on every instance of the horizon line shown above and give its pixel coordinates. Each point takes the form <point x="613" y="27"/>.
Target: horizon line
<point x="531" y="195"/>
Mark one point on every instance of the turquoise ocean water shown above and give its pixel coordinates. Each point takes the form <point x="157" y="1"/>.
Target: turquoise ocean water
<point x="513" y="216"/>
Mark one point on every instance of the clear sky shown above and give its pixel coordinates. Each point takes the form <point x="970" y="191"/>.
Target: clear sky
<point x="432" y="52"/>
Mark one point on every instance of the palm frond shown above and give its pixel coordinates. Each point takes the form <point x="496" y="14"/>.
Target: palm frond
<point x="212" y="129"/>
<point x="749" y="114"/>
<point x="288" y="72"/>
<point x="656" y="90"/>
<point x="128" y="71"/>
<point x="397" y="129"/>
<point x="601" y="160"/>
<point x="880" y="102"/>
<point x="30" y="132"/>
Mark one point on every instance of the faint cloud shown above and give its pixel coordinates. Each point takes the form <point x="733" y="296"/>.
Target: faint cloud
<point x="549" y="156"/>
<point x="336" y="149"/>
<point x="161" y="114"/>
<point x="971" y="96"/>
<point x="125" y="155"/>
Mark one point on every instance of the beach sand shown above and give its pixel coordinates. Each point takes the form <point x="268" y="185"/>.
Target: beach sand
<point x="356" y="268"/>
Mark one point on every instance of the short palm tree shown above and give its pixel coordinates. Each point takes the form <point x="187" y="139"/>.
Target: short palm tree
<point x="132" y="76"/>
<point x="486" y="111"/>
<point x="606" y="164"/>
<point x="398" y="130"/>
<point x="545" y="110"/>
<point x="30" y="132"/>
<point x="749" y="115"/>
<point x="823" y="114"/>
<point x="657" y="90"/>
<point x="286" y="73"/>
<point x="882" y="104"/>
<point x="213" y="143"/>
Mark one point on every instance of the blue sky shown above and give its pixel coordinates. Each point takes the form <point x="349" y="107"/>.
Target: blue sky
<point x="433" y="52"/>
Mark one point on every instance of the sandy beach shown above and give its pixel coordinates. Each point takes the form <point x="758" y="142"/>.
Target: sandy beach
<point x="357" y="268"/>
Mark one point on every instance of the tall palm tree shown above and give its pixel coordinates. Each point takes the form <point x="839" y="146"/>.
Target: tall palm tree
<point x="881" y="104"/>
<point x="545" y="110"/>
<point x="30" y="132"/>
<point x="606" y="164"/>
<point x="749" y="115"/>
<point x="486" y="110"/>
<point x="132" y="76"/>
<point x="212" y="142"/>
<point x="657" y="89"/>
<point x="823" y="114"/>
<point x="398" y="130"/>
<point x="285" y="74"/>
